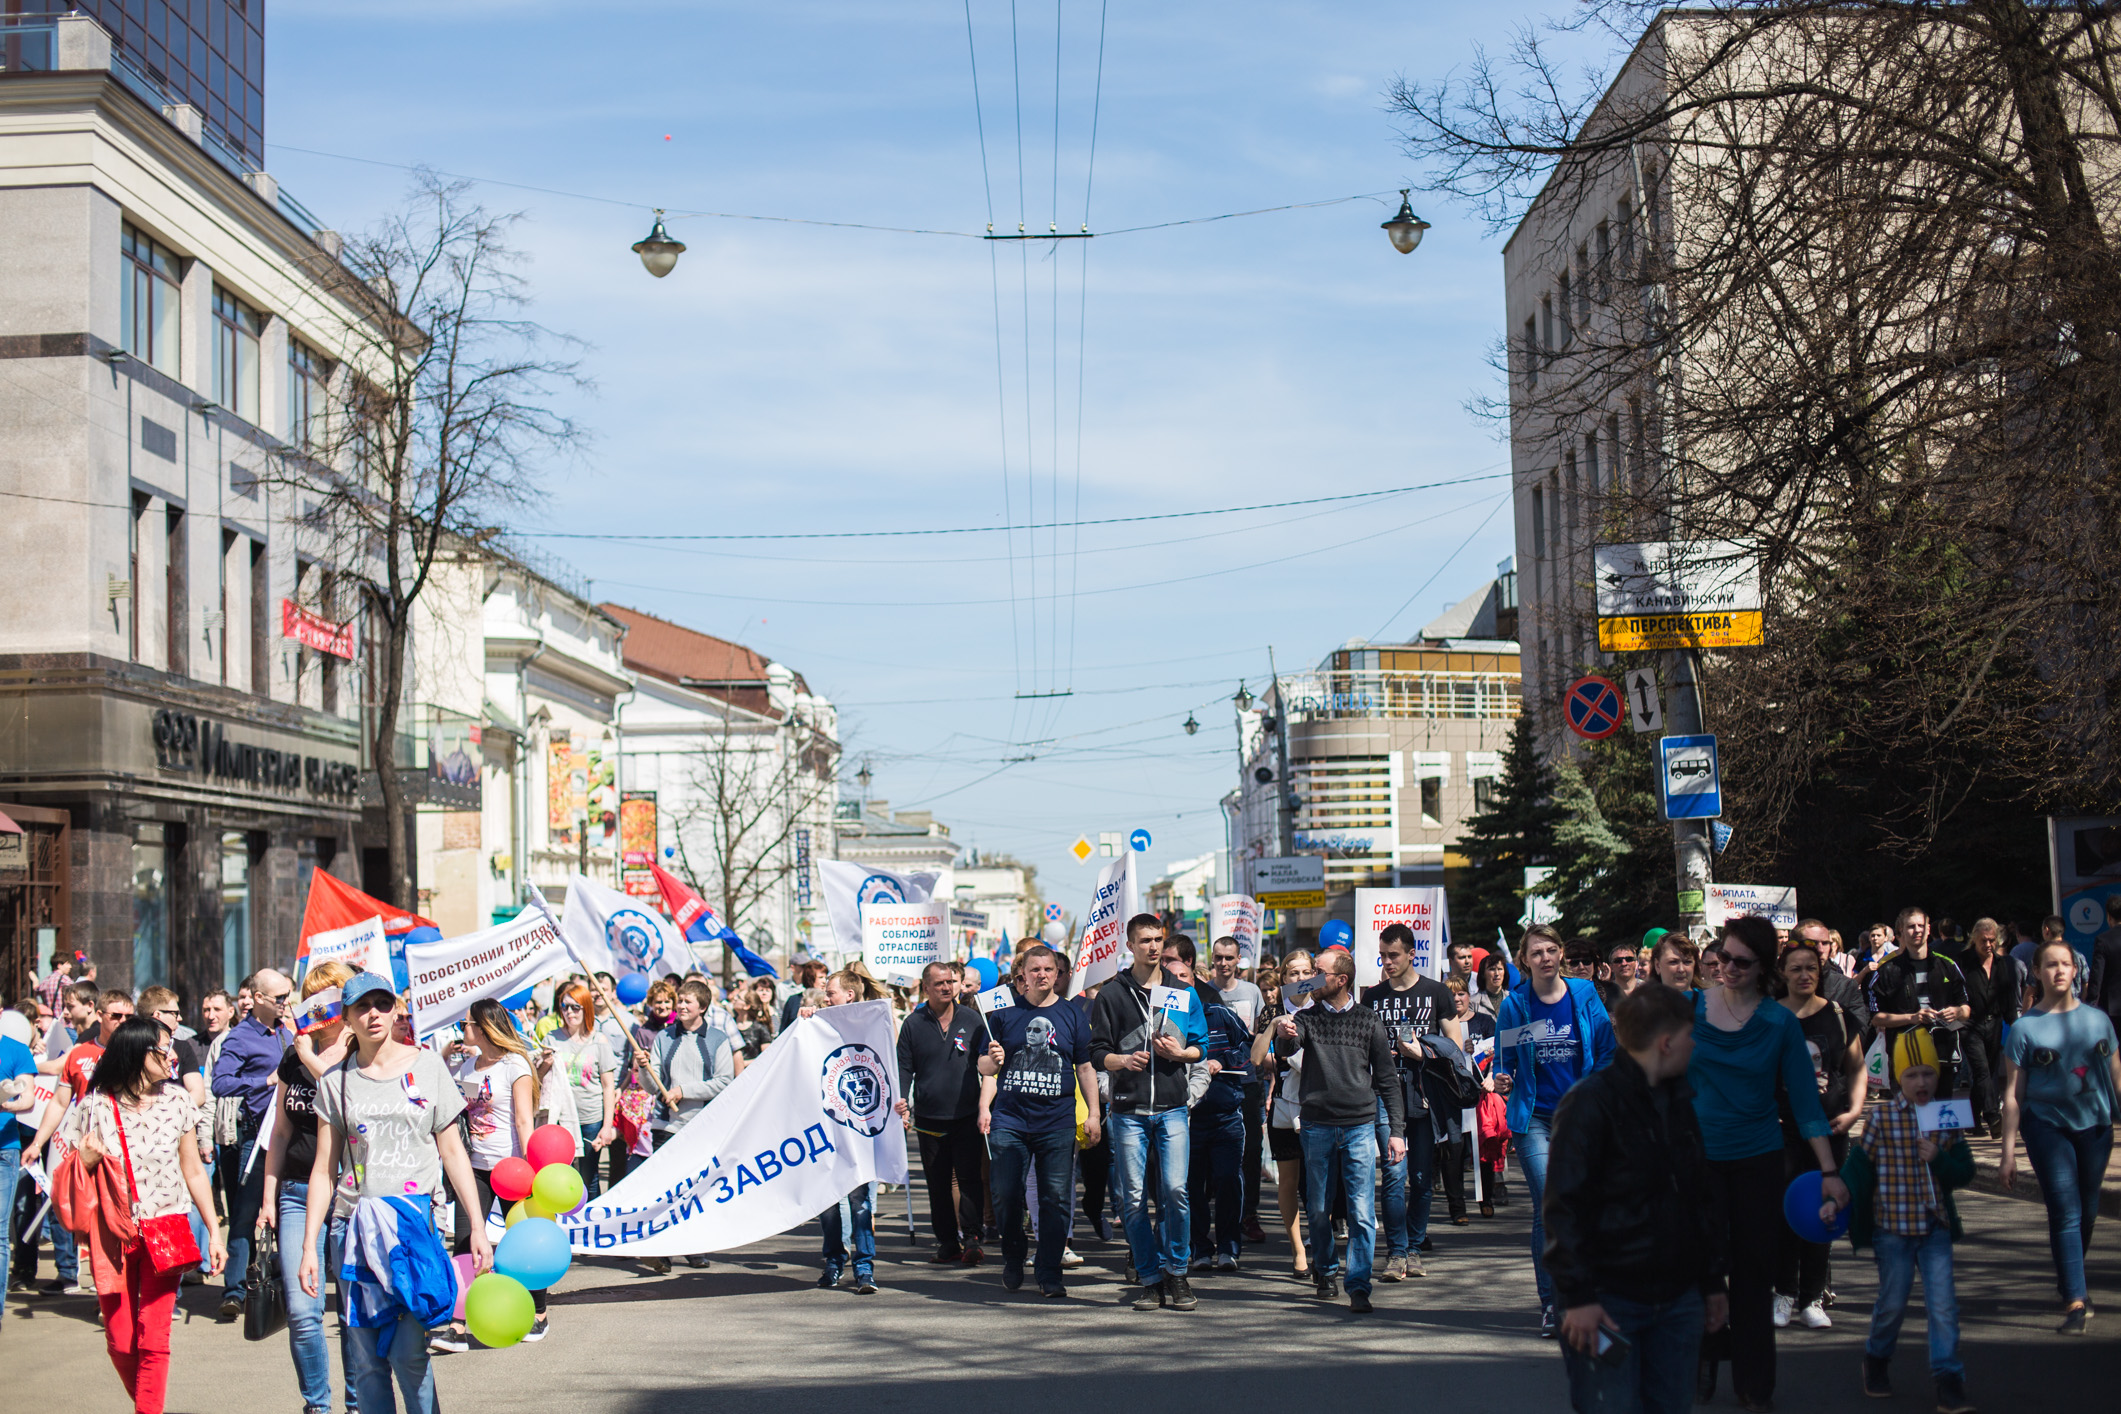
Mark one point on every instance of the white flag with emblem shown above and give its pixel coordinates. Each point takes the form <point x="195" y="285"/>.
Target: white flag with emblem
<point x="608" y="931"/>
<point x="849" y="886"/>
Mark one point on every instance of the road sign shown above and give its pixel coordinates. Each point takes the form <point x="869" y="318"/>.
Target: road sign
<point x="968" y="918"/>
<point x="1678" y="594"/>
<point x="1082" y="849"/>
<point x="1693" y="787"/>
<point x="1645" y="703"/>
<point x="1594" y="708"/>
<point x="1298" y="881"/>
<point x="1140" y="840"/>
<point x="1054" y="911"/>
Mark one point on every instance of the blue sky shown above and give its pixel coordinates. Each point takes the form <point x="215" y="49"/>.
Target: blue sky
<point x="791" y="378"/>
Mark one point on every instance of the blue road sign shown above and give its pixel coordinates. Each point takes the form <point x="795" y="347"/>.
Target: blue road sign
<point x="1594" y="708"/>
<point x="1140" y="840"/>
<point x="1693" y="786"/>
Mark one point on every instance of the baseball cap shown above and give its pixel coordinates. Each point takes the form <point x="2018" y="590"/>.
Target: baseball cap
<point x="363" y="984"/>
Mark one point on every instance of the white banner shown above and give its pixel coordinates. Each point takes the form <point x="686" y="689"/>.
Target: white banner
<point x="1238" y="916"/>
<point x="1117" y="899"/>
<point x="617" y="933"/>
<point x="900" y="939"/>
<point x="804" y="1124"/>
<point x="848" y="886"/>
<point x="360" y="946"/>
<point x="1722" y="902"/>
<point x="448" y="976"/>
<point x="1422" y="910"/>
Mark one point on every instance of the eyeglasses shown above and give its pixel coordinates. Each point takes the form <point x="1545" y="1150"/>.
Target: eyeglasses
<point x="570" y="1006"/>
<point x="1739" y="962"/>
<point x="279" y="1000"/>
<point x="167" y="1011"/>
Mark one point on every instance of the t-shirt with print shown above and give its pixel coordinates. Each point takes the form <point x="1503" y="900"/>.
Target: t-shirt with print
<point x="584" y="1062"/>
<point x="1041" y="1047"/>
<point x="490" y="1111"/>
<point x="2068" y="1082"/>
<point x="388" y="1128"/>
<point x="1557" y="1051"/>
<point x="1412" y="1014"/>
<point x="300" y="1154"/>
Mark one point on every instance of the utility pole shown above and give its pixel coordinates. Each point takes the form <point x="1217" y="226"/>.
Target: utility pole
<point x="1284" y="788"/>
<point x="1691" y="852"/>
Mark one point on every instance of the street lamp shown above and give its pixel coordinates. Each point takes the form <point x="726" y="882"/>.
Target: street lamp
<point x="1405" y="229"/>
<point x="660" y="253"/>
<point x="1243" y="699"/>
<point x="1191" y="725"/>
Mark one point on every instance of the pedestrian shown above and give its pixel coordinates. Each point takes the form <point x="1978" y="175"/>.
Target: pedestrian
<point x="808" y="973"/>
<point x="939" y="1045"/>
<point x="1902" y="1180"/>
<point x="1248" y="1000"/>
<point x="1480" y="1054"/>
<point x="1995" y="991"/>
<point x="1145" y="1051"/>
<point x="589" y="1070"/>
<point x="851" y="1222"/>
<point x="1411" y="1007"/>
<point x="1623" y="968"/>
<point x="112" y="1010"/>
<point x="1634" y="1250"/>
<point x="1744" y="1047"/>
<point x="136" y="1118"/>
<point x="386" y="1130"/>
<point x="1036" y="1062"/>
<point x="2062" y="1091"/>
<point x="1673" y="962"/>
<point x="187" y="1068"/>
<point x="1552" y="1031"/>
<point x="78" y="1007"/>
<point x="1215" y="1167"/>
<point x="695" y="1062"/>
<point x="249" y="1059"/>
<point x="1349" y="1072"/>
<point x="1494" y="985"/>
<point x="1919" y="986"/>
<point x="495" y="1074"/>
<point x="1285" y="1114"/>
<point x="1458" y="963"/>
<point x="2103" y="987"/>
<point x="1834" y="984"/>
<point x="1834" y="1041"/>
<point x="18" y="1076"/>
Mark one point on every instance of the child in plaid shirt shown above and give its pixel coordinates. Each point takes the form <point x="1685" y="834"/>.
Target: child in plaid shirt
<point x="1902" y="1180"/>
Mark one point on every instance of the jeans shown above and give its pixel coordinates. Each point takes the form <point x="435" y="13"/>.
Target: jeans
<point x="1658" y="1375"/>
<point x="10" y="1172"/>
<point x="1406" y="1214"/>
<point x="369" y="1374"/>
<point x="1897" y="1259"/>
<point x="586" y="1162"/>
<point x="1746" y="1194"/>
<point x="1048" y="1154"/>
<point x="952" y="1149"/>
<point x="2070" y="1164"/>
<point x="305" y="1313"/>
<point x="1531" y="1146"/>
<point x="856" y="1211"/>
<point x="246" y="1199"/>
<point x="1355" y="1147"/>
<point x="1165" y="1245"/>
<point x="1804" y="1270"/>
<point x="1216" y="1188"/>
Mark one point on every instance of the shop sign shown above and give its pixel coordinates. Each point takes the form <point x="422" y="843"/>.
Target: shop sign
<point x="315" y="631"/>
<point x="185" y="742"/>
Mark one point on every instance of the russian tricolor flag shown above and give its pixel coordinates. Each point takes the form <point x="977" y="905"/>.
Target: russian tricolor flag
<point x="700" y="924"/>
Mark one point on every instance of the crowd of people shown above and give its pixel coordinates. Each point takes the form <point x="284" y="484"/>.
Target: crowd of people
<point x="1660" y="1101"/>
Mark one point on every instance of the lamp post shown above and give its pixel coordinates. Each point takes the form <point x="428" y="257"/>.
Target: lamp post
<point x="1405" y="229"/>
<point x="659" y="253"/>
<point x="1190" y="724"/>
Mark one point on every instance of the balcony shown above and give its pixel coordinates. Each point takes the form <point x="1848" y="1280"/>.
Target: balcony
<point x="1394" y="692"/>
<point x="437" y="757"/>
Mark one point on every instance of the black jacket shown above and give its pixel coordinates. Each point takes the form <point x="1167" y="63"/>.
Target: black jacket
<point x="1627" y="1207"/>
<point x="2102" y="984"/>
<point x="1993" y="994"/>
<point x="941" y="1072"/>
<point x="1844" y="991"/>
<point x="1119" y="1021"/>
<point x="1893" y="985"/>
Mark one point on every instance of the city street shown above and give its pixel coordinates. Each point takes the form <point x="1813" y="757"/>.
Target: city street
<point x="752" y="1329"/>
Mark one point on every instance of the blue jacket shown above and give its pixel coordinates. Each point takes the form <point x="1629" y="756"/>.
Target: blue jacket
<point x="1518" y="1061"/>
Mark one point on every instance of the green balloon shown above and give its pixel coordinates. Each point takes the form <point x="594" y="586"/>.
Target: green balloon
<point x="498" y="1310"/>
<point x="557" y="1188"/>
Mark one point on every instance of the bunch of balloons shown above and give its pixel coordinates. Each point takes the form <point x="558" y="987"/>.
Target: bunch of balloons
<point x="534" y="1253"/>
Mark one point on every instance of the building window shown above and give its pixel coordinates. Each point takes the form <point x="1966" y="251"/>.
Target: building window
<point x="235" y="909"/>
<point x="1568" y="327"/>
<point x="1483" y="795"/>
<point x="1605" y="262"/>
<point x="236" y="330"/>
<point x="150" y="904"/>
<point x="1546" y="329"/>
<point x="147" y="300"/>
<point x="307" y="375"/>
<point x="177" y="593"/>
<point x="1531" y="351"/>
<point x="260" y="623"/>
<point x="1431" y="802"/>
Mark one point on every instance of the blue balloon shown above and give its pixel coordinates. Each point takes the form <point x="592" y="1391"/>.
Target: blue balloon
<point x="1336" y="934"/>
<point x="633" y="989"/>
<point x="1800" y="1208"/>
<point x="990" y="976"/>
<point x="535" y="1252"/>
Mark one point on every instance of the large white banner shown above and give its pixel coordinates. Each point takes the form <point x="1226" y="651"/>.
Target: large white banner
<point x="802" y="1126"/>
<point x="360" y="946"/>
<point x="899" y="940"/>
<point x="448" y="976"/>
<point x="1238" y="916"/>
<point x="618" y="933"/>
<point x="1117" y="899"/>
<point x="1424" y="913"/>
<point x="848" y="886"/>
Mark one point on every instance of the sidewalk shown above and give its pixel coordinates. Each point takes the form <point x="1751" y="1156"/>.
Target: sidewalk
<point x="1988" y="1157"/>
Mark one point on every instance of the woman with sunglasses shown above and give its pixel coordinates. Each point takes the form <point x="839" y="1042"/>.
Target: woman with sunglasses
<point x="590" y="1071"/>
<point x="1743" y="1046"/>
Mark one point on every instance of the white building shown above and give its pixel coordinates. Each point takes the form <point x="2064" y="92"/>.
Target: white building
<point x="1002" y="890"/>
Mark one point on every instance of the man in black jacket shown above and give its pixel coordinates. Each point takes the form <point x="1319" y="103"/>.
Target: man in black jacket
<point x="1919" y="987"/>
<point x="1637" y="1255"/>
<point x="939" y="1046"/>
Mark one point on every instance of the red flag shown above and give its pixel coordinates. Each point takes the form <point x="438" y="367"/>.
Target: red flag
<point x="333" y="905"/>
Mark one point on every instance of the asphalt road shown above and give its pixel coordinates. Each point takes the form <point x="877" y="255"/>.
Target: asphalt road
<point x="751" y="1332"/>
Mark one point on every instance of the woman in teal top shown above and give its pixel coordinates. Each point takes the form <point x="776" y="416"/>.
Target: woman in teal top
<point x="1743" y="1045"/>
<point x="2061" y="1076"/>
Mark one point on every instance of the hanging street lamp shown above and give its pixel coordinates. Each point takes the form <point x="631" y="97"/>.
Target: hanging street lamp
<point x="659" y="253"/>
<point x="1406" y="228"/>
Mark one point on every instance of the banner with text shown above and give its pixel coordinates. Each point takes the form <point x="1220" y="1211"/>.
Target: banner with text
<point x="1723" y="902"/>
<point x="1424" y="913"/>
<point x="805" y="1124"/>
<point x="1104" y="948"/>
<point x="850" y="886"/>
<point x="900" y="939"/>
<point x="1238" y="916"/>
<point x="448" y="976"/>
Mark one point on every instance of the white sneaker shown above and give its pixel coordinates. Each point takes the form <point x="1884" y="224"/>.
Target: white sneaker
<point x="1784" y="1305"/>
<point x="1224" y="1262"/>
<point x="1069" y="1260"/>
<point x="1201" y="1264"/>
<point x="1815" y="1317"/>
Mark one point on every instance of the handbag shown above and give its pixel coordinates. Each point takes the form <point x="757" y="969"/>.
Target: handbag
<point x="265" y="1290"/>
<point x="168" y="1240"/>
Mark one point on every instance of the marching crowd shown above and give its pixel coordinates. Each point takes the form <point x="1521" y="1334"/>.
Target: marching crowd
<point x="1690" y="1129"/>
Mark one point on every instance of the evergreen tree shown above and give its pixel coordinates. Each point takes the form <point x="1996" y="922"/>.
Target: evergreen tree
<point x="1516" y="831"/>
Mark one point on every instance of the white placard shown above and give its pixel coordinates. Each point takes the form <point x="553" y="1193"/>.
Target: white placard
<point x="449" y="975"/>
<point x="1295" y="996"/>
<point x="1238" y="916"/>
<point x="1722" y="902"/>
<point x="901" y="939"/>
<point x="995" y="999"/>
<point x="1940" y="1115"/>
<point x="1171" y="998"/>
<point x="1426" y="916"/>
<point x="1117" y="898"/>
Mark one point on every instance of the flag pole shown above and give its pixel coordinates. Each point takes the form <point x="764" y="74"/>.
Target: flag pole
<point x="641" y="1058"/>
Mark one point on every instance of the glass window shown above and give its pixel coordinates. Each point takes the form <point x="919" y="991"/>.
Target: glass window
<point x="147" y="300"/>
<point x="307" y="374"/>
<point x="1483" y="795"/>
<point x="150" y="905"/>
<point x="1431" y="801"/>
<point x="236" y="330"/>
<point x="235" y="909"/>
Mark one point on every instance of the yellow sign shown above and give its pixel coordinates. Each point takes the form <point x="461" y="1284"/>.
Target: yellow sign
<point x="1315" y="898"/>
<point x="1735" y="628"/>
<point x="1083" y="850"/>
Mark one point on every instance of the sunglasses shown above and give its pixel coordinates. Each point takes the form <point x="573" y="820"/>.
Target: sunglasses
<point x="570" y="1006"/>
<point x="1733" y="960"/>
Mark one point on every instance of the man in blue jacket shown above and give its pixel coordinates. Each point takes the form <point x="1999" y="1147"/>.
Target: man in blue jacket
<point x="1551" y="1031"/>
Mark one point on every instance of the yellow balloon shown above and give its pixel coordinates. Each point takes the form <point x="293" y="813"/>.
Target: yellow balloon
<point x="533" y="1209"/>
<point x="519" y="1212"/>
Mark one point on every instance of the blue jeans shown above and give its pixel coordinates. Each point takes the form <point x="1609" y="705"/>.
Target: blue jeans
<point x="1412" y="1178"/>
<point x="1356" y="1147"/>
<point x="857" y="1211"/>
<point x="2070" y="1164"/>
<point x="1047" y="1154"/>
<point x="369" y="1374"/>
<point x="1658" y="1375"/>
<point x="305" y="1313"/>
<point x="1217" y="1187"/>
<point x="23" y="1260"/>
<point x="1532" y="1158"/>
<point x="10" y="1173"/>
<point x="1897" y="1259"/>
<point x="1167" y="1244"/>
<point x="246" y="1196"/>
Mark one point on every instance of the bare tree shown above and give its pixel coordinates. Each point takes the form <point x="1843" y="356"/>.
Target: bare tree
<point x="1858" y="301"/>
<point x="437" y="425"/>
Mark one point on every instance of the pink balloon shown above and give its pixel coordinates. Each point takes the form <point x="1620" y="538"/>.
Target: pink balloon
<point x="467" y="1268"/>
<point x="549" y="1144"/>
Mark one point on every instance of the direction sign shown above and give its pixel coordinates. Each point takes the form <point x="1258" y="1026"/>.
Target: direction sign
<point x="1693" y="787"/>
<point x="1298" y="881"/>
<point x="1594" y="708"/>
<point x="1678" y="594"/>
<point x="1645" y="705"/>
<point x="1140" y="841"/>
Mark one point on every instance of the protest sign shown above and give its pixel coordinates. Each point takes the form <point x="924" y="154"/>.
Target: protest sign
<point x="850" y="887"/>
<point x="900" y="939"/>
<point x="995" y="999"/>
<point x="1238" y="916"/>
<point x="1118" y="898"/>
<point x="613" y="932"/>
<point x="1422" y="910"/>
<point x="1940" y="1115"/>
<point x="1776" y="903"/>
<point x="448" y="976"/>
<point x="1171" y="999"/>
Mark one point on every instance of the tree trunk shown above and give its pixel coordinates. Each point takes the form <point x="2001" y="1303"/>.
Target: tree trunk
<point x="383" y="751"/>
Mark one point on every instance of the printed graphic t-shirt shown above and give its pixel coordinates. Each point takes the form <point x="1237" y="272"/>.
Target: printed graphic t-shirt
<point x="489" y="1099"/>
<point x="388" y="1128"/>
<point x="1041" y="1047"/>
<point x="1557" y="1051"/>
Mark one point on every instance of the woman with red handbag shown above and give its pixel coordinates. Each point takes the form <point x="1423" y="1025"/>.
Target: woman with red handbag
<point x="137" y="1117"/>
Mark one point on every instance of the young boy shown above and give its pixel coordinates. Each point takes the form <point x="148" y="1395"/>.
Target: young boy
<point x="1901" y="1178"/>
<point x="852" y="1220"/>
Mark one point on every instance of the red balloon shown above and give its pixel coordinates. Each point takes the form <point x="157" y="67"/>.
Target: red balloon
<point x="549" y="1144"/>
<point x="512" y="1179"/>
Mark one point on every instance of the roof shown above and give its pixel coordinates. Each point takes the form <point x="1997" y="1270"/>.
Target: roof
<point x="700" y="661"/>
